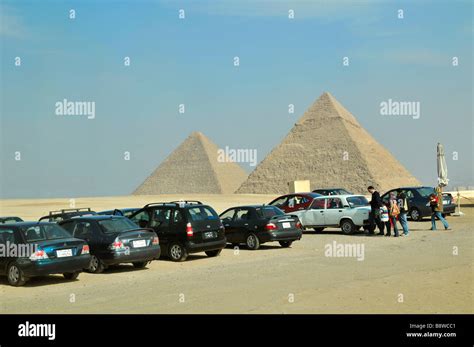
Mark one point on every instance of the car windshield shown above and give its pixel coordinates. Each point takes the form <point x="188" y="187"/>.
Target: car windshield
<point x="44" y="232"/>
<point x="269" y="211"/>
<point x="117" y="225"/>
<point x="426" y="191"/>
<point x="357" y="201"/>
<point x="201" y="213"/>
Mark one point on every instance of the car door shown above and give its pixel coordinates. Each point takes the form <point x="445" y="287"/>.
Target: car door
<point x="314" y="215"/>
<point x="241" y="224"/>
<point x="178" y="225"/>
<point x="334" y="211"/>
<point x="227" y="219"/>
<point x="160" y="222"/>
<point x="8" y="237"/>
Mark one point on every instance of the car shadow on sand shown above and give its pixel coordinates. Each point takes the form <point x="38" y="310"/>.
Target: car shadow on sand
<point x="40" y="281"/>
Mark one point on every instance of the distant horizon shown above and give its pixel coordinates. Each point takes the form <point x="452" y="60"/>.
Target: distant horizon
<point x="142" y="78"/>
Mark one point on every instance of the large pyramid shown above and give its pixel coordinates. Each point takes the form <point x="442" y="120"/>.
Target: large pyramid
<point x="328" y="147"/>
<point x="193" y="168"/>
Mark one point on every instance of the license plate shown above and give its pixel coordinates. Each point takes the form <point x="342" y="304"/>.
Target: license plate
<point x="445" y="202"/>
<point x="286" y="225"/>
<point x="61" y="253"/>
<point x="210" y="235"/>
<point x="139" y="243"/>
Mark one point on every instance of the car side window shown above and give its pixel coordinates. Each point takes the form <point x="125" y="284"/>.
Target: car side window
<point x="178" y="217"/>
<point x="69" y="226"/>
<point x="409" y="194"/>
<point x="82" y="229"/>
<point x="141" y="218"/>
<point x="318" y="204"/>
<point x="227" y="216"/>
<point x="280" y="202"/>
<point x="160" y="217"/>
<point x="7" y="236"/>
<point x="242" y="215"/>
<point x="334" y="203"/>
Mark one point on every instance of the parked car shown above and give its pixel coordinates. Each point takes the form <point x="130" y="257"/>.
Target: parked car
<point x="417" y="198"/>
<point x="332" y="191"/>
<point x="183" y="227"/>
<point x="294" y="202"/>
<point x="114" y="240"/>
<point x="57" y="216"/>
<point x="127" y="212"/>
<point x="349" y="212"/>
<point x="42" y="249"/>
<point x="12" y="219"/>
<point x="257" y="224"/>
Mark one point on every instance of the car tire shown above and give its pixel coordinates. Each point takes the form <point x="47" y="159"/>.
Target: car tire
<point x="71" y="275"/>
<point x="15" y="275"/>
<point x="177" y="252"/>
<point x="214" y="253"/>
<point x="318" y="230"/>
<point x="96" y="266"/>
<point x="347" y="226"/>
<point x="415" y="214"/>
<point x="252" y="242"/>
<point x="140" y="264"/>
<point x="285" y="244"/>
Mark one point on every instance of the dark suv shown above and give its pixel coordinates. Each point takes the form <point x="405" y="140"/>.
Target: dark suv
<point x="183" y="227"/>
<point x="417" y="198"/>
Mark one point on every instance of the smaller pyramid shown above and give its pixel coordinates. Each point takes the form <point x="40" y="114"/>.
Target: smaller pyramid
<point x="193" y="168"/>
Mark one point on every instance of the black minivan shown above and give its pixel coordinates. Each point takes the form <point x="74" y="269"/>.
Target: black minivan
<point x="183" y="227"/>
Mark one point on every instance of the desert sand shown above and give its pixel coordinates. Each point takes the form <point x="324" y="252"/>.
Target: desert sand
<point x="418" y="274"/>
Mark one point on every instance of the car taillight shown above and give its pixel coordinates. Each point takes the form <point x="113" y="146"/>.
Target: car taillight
<point x="156" y="241"/>
<point x="117" y="245"/>
<point x="38" y="255"/>
<point x="270" y="226"/>
<point x="85" y="249"/>
<point x="189" y="230"/>
<point x="298" y="225"/>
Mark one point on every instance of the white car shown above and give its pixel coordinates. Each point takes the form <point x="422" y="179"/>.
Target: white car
<point x="349" y="212"/>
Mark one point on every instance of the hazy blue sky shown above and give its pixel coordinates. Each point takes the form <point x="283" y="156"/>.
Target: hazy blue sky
<point x="190" y="61"/>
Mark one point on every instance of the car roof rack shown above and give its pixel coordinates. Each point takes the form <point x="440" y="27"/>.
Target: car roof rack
<point x="67" y="210"/>
<point x="159" y="204"/>
<point x="188" y="202"/>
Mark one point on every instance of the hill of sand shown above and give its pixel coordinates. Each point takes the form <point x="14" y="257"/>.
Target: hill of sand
<point x="330" y="148"/>
<point x="194" y="168"/>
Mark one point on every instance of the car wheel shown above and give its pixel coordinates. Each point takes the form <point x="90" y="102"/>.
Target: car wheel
<point x="71" y="275"/>
<point x="347" y="226"/>
<point x="415" y="214"/>
<point x="15" y="276"/>
<point x="177" y="252"/>
<point x="252" y="242"/>
<point x="214" y="253"/>
<point x="318" y="230"/>
<point x="96" y="265"/>
<point x="285" y="244"/>
<point x="139" y="264"/>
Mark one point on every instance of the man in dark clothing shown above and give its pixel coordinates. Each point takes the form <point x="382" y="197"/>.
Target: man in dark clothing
<point x="374" y="215"/>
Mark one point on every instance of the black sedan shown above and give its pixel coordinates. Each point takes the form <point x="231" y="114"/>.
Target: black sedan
<point x="254" y="225"/>
<point x="114" y="240"/>
<point x="29" y="249"/>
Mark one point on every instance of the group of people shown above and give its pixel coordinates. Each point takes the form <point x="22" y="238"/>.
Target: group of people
<point x="384" y="216"/>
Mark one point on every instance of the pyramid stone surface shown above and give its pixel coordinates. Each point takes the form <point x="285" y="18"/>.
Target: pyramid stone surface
<point x="193" y="168"/>
<point x="315" y="150"/>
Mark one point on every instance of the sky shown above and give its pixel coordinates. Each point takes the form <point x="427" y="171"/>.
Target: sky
<point x="190" y="61"/>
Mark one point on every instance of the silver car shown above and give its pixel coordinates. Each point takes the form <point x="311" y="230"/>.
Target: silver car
<point x="349" y="212"/>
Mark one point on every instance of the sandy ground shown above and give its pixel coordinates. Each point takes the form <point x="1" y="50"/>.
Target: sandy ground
<point x="419" y="274"/>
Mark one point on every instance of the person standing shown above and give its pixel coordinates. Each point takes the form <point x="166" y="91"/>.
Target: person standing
<point x="394" y="212"/>
<point x="436" y="204"/>
<point x="384" y="220"/>
<point x="402" y="217"/>
<point x="374" y="215"/>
